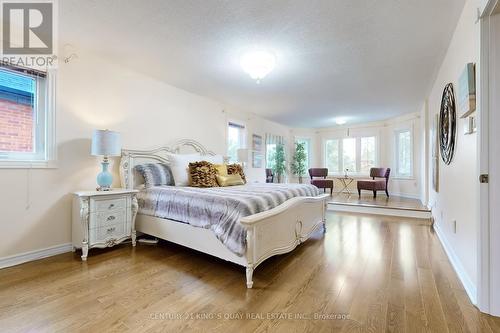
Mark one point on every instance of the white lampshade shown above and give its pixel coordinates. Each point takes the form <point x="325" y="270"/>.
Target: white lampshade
<point x="242" y="155"/>
<point x="106" y="143"/>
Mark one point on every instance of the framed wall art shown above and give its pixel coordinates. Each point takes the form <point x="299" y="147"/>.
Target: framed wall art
<point x="257" y="142"/>
<point x="256" y="160"/>
<point x="447" y="124"/>
<point x="467" y="91"/>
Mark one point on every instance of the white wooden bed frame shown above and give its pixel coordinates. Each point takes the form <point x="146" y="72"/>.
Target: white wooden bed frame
<point x="269" y="233"/>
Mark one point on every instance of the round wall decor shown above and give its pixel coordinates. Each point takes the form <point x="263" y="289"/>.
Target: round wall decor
<point x="447" y="124"/>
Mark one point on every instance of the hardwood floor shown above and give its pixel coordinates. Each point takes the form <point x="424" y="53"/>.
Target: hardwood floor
<point x="367" y="273"/>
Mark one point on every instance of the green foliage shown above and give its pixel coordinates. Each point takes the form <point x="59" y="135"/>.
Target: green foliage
<point x="270" y="156"/>
<point x="332" y="155"/>
<point x="299" y="159"/>
<point x="279" y="165"/>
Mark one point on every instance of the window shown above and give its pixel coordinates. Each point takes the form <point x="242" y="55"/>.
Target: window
<point x="332" y="155"/>
<point x="354" y="154"/>
<point x="26" y="119"/>
<point x="349" y="154"/>
<point x="235" y="140"/>
<point x="270" y="153"/>
<point x="404" y="154"/>
<point x="307" y="148"/>
<point x="367" y="158"/>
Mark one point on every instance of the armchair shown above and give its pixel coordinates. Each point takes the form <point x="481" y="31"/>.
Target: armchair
<point x="269" y="176"/>
<point x="374" y="184"/>
<point x="323" y="183"/>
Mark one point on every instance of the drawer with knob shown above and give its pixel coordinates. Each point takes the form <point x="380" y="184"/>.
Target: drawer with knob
<point x="104" y="219"/>
<point x="103" y="234"/>
<point x="106" y="205"/>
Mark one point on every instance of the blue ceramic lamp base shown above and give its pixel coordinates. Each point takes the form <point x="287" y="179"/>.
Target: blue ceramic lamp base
<point x="105" y="178"/>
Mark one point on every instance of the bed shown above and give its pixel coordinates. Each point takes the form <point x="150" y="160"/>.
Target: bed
<point x="286" y="215"/>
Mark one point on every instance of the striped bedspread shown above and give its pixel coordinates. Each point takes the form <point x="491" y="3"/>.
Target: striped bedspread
<point x="219" y="208"/>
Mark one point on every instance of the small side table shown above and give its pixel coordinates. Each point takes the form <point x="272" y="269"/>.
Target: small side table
<point x="103" y="218"/>
<point x="346" y="182"/>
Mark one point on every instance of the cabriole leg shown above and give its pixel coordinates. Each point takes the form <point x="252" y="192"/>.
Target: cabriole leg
<point x="249" y="277"/>
<point x="85" y="251"/>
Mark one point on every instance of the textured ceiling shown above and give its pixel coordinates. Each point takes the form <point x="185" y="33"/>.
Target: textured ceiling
<point x="361" y="60"/>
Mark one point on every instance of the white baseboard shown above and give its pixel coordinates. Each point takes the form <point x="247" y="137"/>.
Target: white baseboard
<point x="470" y="288"/>
<point x="352" y="208"/>
<point x="381" y="193"/>
<point x="34" y="255"/>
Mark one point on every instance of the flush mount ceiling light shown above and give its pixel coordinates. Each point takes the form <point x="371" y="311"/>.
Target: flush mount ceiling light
<point x="258" y="63"/>
<point x="340" y="121"/>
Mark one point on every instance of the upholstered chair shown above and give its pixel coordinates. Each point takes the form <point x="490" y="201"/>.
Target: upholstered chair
<point x="269" y="176"/>
<point x="379" y="181"/>
<point x="318" y="179"/>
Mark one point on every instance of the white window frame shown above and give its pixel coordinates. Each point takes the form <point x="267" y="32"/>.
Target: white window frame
<point x="339" y="143"/>
<point x="243" y="135"/>
<point x="377" y="152"/>
<point x="47" y="101"/>
<point x="397" y="132"/>
<point x="340" y="139"/>
<point x="357" y="154"/>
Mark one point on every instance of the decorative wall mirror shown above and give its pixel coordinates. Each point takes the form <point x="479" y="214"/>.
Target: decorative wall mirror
<point x="447" y="124"/>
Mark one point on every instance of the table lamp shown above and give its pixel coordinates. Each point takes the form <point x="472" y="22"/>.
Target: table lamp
<point x="105" y="143"/>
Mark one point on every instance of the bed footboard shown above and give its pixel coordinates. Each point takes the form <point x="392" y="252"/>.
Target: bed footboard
<point x="281" y="229"/>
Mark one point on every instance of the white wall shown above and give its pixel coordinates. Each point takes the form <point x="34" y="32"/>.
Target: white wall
<point x="457" y="195"/>
<point x="94" y="93"/>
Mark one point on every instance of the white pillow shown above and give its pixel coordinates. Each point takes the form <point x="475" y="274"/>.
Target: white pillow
<point x="180" y="167"/>
<point x="216" y="159"/>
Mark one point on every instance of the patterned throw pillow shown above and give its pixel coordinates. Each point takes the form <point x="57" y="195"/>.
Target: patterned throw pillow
<point x="236" y="169"/>
<point x="155" y="174"/>
<point x="203" y="174"/>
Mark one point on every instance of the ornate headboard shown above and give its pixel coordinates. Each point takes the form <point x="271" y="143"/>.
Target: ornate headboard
<point x="130" y="158"/>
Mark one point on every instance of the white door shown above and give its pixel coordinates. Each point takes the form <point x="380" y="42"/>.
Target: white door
<point x="489" y="162"/>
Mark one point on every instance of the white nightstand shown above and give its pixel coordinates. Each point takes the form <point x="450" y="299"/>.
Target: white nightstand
<point x="103" y="218"/>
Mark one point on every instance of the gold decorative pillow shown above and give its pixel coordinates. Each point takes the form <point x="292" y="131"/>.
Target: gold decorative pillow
<point x="236" y="169"/>
<point x="230" y="180"/>
<point x="203" y="174"/>
<point x="221" y="169"/>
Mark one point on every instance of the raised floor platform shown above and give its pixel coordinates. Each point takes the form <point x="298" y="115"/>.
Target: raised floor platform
<point x="382" y="205"/>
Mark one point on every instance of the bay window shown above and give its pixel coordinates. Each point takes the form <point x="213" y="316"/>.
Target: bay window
<point x="368" y="154"/>
<point x="356" y="155"/>
<point x="332" y="155"/>
<point x="404" y="153"/>
<point x="349" y="155"/>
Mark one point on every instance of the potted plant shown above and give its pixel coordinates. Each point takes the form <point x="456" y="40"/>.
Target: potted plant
<point x="279" y="166"/>
<point x="299" y="161"/>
